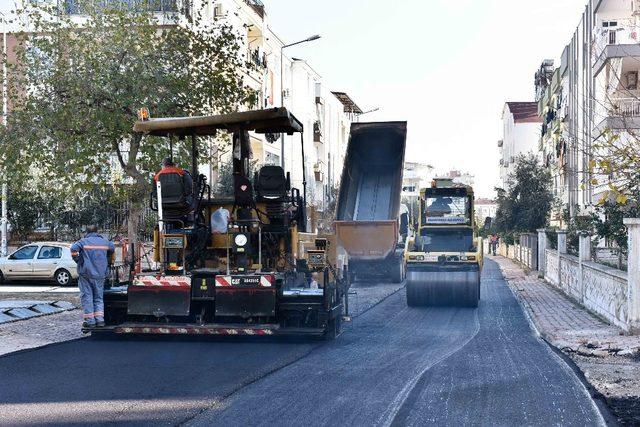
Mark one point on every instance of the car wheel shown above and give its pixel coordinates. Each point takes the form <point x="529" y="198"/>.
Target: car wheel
<point x="1" y="278"/>
<point x="62" y="277"/>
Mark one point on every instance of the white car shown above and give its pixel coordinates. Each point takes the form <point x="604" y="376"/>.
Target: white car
<point x="40" y="261"/>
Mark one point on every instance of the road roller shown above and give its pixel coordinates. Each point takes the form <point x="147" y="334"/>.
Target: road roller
<point x="444" y="257"/>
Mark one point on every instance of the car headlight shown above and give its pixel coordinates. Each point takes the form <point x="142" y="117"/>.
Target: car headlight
<point x="240" y="240"/>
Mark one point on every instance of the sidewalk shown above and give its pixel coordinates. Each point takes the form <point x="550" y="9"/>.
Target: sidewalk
<point x="609" y="360"/>
<point x="40" y="331"/>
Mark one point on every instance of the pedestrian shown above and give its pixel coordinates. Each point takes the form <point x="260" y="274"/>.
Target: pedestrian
<point x="93" y="254"/>
<point x="494" y="243"/>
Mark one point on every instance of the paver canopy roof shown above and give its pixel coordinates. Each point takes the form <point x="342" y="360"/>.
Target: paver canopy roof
<point x="274" y="120"/>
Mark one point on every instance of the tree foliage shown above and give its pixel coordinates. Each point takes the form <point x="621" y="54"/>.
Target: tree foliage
<point x="608" y="220"/>
<point x="76" y="85"/>
<point x="615" y="165"/>
<point x="525" y="205"/>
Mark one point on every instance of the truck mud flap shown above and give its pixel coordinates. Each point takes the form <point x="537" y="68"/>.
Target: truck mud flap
<point x="165" y="296"/>
<point x="245" y="296"/>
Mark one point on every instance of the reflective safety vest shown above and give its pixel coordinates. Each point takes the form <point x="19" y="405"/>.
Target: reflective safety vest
<point x="92" y="254"/>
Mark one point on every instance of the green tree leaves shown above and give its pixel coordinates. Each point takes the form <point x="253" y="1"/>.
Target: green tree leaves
<point x="76" y="84"/>
<point x="525" y="205"/>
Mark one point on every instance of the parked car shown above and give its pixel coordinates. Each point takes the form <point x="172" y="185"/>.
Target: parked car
<point x="40" y="261"/>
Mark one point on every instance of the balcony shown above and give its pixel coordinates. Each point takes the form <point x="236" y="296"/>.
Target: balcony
<point x="318" y="171"/>
<point x="622" y="113"/>
<point x="258" y="59"/>
<point x="317" y="132"/>
<point x="614" y="42"/>
<point x="257" y="6"/>
<point x="625" y="107"/>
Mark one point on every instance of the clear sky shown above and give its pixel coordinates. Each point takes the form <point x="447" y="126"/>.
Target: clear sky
<point x="445" y="66"/>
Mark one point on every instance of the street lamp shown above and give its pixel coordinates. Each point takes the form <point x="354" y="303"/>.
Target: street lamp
<point x="366" y="112"/>
<point x="308" y="39"/>
<point x="3" y="217"/>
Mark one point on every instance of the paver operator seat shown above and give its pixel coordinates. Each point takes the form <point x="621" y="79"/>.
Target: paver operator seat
<point x="177" y="193"/>
<point x="272" y="184"/>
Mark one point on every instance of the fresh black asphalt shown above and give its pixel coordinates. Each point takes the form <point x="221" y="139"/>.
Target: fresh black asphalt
<point x="394" y="365"/>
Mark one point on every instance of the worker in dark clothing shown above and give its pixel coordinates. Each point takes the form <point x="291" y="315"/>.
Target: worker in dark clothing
<point x="93" y="254"/>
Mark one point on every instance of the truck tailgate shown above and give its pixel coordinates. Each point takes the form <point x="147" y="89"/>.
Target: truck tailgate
<point x="367" y="240"/>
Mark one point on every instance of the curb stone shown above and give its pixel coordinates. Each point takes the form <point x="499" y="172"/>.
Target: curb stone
<point x="37" y="309"/>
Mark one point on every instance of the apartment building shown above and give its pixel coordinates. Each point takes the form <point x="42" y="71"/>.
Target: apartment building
<point x="484" y="208"/>
<point x="521" y="127"/>
<point x="415" y="177"/>
<point x="280" y="80"/>
<point x="592" y="93"/>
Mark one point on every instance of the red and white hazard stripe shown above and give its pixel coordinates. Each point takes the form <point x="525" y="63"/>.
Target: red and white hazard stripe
<point x="223" y="281"/>
<point x="190" y="330"/>
<point x="166" y="281"/>
<point x="267" y="281"/>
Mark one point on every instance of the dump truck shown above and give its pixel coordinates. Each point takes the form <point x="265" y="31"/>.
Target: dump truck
<point x="369" y="225"/>
<point x="239" y="265"/>
<point x="444" y="258"/>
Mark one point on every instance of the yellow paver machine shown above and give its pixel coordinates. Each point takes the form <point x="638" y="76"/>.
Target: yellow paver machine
<point x="240" y="265"/>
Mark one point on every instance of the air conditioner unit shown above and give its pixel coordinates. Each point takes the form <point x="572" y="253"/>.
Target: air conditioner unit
<point x="218" y="10"/>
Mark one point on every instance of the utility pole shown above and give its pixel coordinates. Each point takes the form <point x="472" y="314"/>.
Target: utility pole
<point x="4" y="219"/>
<point x="309" y="39"/>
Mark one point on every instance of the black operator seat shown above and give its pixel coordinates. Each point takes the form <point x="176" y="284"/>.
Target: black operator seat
<point x="272" y="184"/>
<point x="177" y="200"/>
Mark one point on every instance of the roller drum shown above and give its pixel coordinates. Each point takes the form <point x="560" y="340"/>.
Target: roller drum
<point x="445" y="287"/>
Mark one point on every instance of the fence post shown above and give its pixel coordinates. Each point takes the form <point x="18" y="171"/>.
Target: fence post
<point x="584" y="255"/>
<point x="585" y="247"/>
<point x="562" y="241"/>
<point x="542" y="253"/>
<point x="533" y="251"/>
<point x="562" y="249"/>
<point x="633" y="273"/>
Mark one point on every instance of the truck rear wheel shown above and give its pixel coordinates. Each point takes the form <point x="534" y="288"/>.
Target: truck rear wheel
<point x="334" y="327"/>
<point x="397" y="271"/>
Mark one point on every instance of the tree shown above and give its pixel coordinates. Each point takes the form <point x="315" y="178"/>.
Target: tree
<point x="76" y="87"/>
<point x="23" y="212"/>
<point x="615" y="164"/>
<point x="525" y="205"/>
<point x="608" y="220"/>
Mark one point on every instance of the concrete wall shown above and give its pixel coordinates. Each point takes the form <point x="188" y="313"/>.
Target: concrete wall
<point x="601" y="289"/>
<point x="608" y="292"/>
